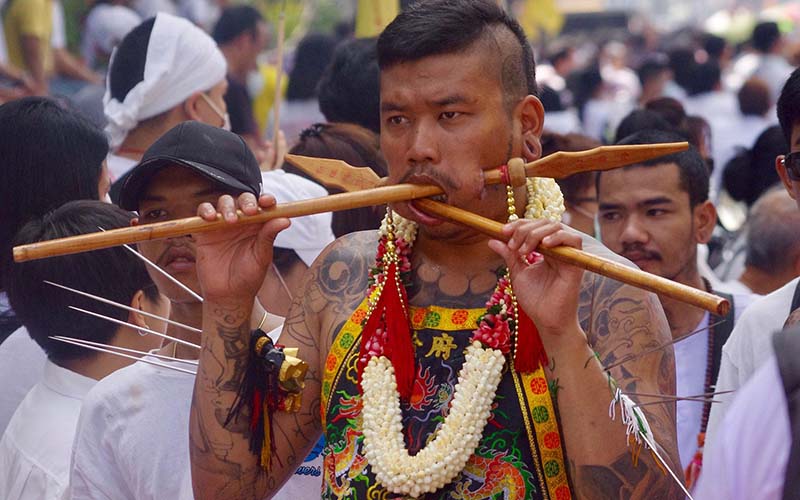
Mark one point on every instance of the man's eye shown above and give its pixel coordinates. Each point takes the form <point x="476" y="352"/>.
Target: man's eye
<point x="154" y="214"/>
<point x="609" y="216"/>
<point x="449" y="115"/>
<point x="396" y="120"/>
<point x="655" y="212"/>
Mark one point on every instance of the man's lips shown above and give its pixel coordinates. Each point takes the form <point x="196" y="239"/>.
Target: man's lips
<point x="640" y="256"/>
<point x="419" y="214"/>
<point x="178" y="259"/>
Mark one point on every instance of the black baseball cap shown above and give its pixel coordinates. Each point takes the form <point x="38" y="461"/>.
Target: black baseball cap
<point x="219" y="155"/>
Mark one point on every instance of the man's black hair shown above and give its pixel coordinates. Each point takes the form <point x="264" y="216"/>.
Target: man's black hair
<point x="789" y="106"/>
<point x="651" y="68"/>
<point x="765" y="35"/>
<point x="714" y="46"/>
<point x="694" y="174"/>
<point x="234" y="21"/>
<point x="751" y="172"/>
<point x="112" y="273"/>
<point x="349" y="90"/>
<point x="641" y="119"/>
<point x="436" y="27"/>
<point x="127" y="66"/>
<point x="48" y="155"/>
<point x="313" y="54"/>
<point x="703" y="77"/>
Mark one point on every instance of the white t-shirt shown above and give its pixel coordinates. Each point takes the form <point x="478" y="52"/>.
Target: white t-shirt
<point x="119" y="166"/>
<point x="748" y="347"/>
<point x="35" y="449"/>
<point x="133" y="439"/>
<point x="752" y="464"/>
<point x="22" y="364"/>
<point x="691" y="360"/>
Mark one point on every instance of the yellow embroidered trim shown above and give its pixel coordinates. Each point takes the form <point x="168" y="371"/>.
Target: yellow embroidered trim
<point x="548" y="435"/>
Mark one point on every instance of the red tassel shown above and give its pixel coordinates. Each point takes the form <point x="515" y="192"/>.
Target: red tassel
<point x="530" y="349"/>
<point x="391" y="311"/>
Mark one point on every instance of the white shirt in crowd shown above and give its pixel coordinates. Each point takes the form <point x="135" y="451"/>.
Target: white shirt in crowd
<point x="35" y="449"/>
<point x="22" y="364"/>
<point x="133" y="435"/>
<point x="717" y="107"/>
<point x="752" y="464"/>
<point x="132" y="440"/>
<point x="691" y="360"/>
<point x="748" y="347"/>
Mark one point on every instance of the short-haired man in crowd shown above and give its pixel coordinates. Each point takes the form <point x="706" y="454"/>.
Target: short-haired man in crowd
<point x="242" y="34"/>
<point x="164" y="72"/>
<point x="772" y="248"/>
<point x="131" y="441"/>
<point x="656" y="214"/>
<point x="450" y="108"/>
<point x="36" y="446"/>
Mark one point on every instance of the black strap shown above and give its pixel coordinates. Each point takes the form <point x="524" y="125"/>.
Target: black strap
<point x="721" y="333"/>
<point x="787" y="351"/>
<point x="795" y="298"/>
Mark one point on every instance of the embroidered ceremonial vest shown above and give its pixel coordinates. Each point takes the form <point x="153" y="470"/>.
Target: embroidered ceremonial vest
<point x="520" y="455"/>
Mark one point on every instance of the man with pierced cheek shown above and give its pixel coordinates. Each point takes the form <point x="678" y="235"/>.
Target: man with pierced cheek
<point x="424" y="375"/>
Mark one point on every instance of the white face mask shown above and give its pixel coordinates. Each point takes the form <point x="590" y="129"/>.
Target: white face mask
<point x="226" y="119"/>
<point x="255" y="83"/>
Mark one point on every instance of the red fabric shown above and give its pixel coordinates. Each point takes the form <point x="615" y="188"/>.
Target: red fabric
<point x="391" y="312"/>
<point x="530" y="349"/>
<point x="257" y="409"/>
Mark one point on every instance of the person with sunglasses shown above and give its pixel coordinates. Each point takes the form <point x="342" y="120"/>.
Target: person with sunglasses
<point x="750" y="344"/>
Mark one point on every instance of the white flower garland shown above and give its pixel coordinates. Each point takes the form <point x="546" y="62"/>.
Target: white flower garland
<point x="443" y="458"/>
<point x="454" y="442"/>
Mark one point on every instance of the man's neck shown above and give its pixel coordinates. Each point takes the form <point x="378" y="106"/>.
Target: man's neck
<point x="682" y="317"/>
<point x="141" y="138"/>
<point x="762" y="282"/>
<point x="235" y="68"/>
<point x="96" y="366"/>
<point x="189" y="314"/>
<point x="445" y="273"/>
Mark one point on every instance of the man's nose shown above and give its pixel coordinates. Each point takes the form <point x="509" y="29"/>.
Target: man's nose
<point x="424" y="147"/>
<point x="634" y="231"/>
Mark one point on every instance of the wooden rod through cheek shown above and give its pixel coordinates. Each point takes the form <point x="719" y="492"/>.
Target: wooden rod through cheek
<point x="585" y="260"/>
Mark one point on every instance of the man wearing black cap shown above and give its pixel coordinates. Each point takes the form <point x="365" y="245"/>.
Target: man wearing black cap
<point x="131" y="440"/>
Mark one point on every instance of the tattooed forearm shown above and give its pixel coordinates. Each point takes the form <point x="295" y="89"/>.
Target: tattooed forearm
<point x="623" y="480"/>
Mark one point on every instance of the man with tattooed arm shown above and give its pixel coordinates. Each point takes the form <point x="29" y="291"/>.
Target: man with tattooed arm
<point x="485" y="410"/>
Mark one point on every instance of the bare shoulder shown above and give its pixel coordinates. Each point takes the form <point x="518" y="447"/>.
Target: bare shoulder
<point x="334" y="286"/>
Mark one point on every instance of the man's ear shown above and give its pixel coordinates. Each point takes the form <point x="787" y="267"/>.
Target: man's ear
<point x="137" y="302"/>
<point x="530" y="119"/>
<point x="705" y="219"/>
<point x="190" y="107"/>
<point x="787" y="182"/>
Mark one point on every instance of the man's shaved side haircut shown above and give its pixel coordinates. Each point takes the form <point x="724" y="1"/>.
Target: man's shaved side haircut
<point x="436" y="27"/>
<point x="127" y="65"/>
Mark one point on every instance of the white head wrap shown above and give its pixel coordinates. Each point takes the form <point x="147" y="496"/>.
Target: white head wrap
<point x="181" y="60"/>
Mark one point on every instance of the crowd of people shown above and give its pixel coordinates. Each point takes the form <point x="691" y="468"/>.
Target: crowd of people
<point x="441" y="363"/>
